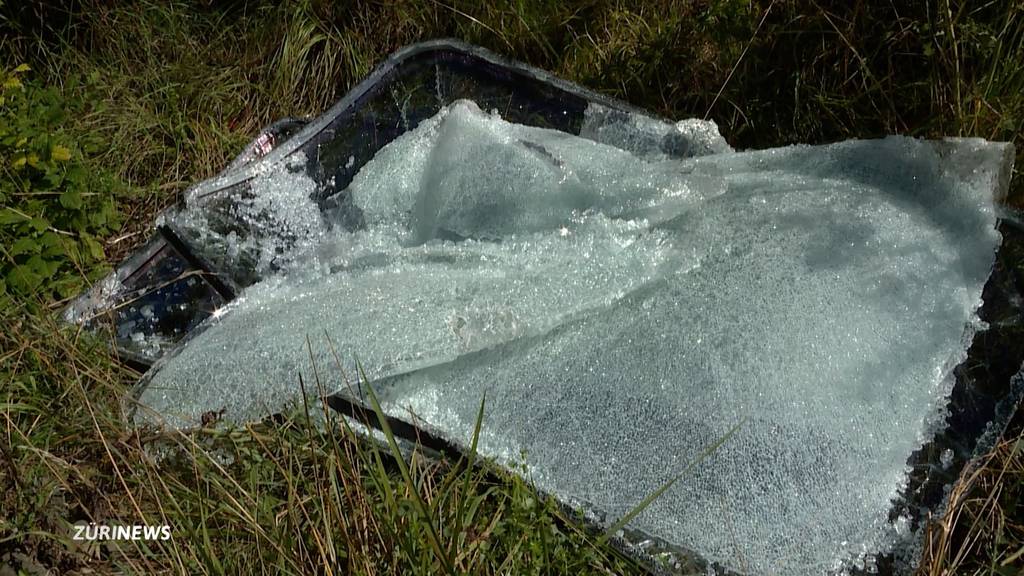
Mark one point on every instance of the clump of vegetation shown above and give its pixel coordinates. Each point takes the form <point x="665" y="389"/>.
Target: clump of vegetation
<point x="54" y="209"/>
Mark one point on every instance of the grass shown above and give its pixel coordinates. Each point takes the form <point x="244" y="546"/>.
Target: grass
<point x="983" y="533"/>
<point x="277" y="497"/>
<point x="176" y="88"/>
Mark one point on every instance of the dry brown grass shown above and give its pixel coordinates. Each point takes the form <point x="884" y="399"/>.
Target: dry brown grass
<point x="983" y="530"/>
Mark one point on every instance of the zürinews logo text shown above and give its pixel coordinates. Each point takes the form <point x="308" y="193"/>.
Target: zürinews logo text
<point x="93" y="531"/>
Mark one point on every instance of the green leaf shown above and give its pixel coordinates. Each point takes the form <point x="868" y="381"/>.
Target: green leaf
<point x="76" y="173"/>
<point x="71" y="199"/>
<point x="52" y="244"/>
<point x="68" y="286"/>
<point x="52" y="177"/>
<point x="101" y="216"/>
<point x="23" y="280"/>
<point x="43" y="267"/>
<point x="95" y="248"/>
<point x="50" y="239"/>
<point x="39" y="224"/>
<point x="9" y="216"/>
<point x="25" y="245"/>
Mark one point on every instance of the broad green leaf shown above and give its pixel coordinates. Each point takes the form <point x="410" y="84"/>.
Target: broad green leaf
<point x="21" y="68"/>
<point x="39" y="224"/>
<point x="68" y="287"/>
<point x="53" y="246"/>
<point x="44" y="268"/>
<point x="9" y="216"/>
<point x="50" y="239"/>
<point x="22" y="279"/>
<point x="71" y="199"/>
<point x="76" y="173"/>
<point x="25" y="245"/>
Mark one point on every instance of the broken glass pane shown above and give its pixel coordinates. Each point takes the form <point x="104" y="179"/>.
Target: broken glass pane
<point x="151" y="302"/>
<point x="623" y="288"/>
<point x="622" y="308"/>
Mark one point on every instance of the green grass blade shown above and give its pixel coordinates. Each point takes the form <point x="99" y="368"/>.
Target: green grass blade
<point x="468" y="472"/>
<point x="435" y="540"/>
<point x="664" y="487"/>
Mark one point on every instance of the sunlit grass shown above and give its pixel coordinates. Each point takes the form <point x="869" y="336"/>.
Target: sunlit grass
<point x="284" y="496"/>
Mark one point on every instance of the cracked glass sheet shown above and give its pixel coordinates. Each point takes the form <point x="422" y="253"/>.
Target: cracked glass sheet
<point x="621" y="312"/>
<point x="149" y="304"/>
